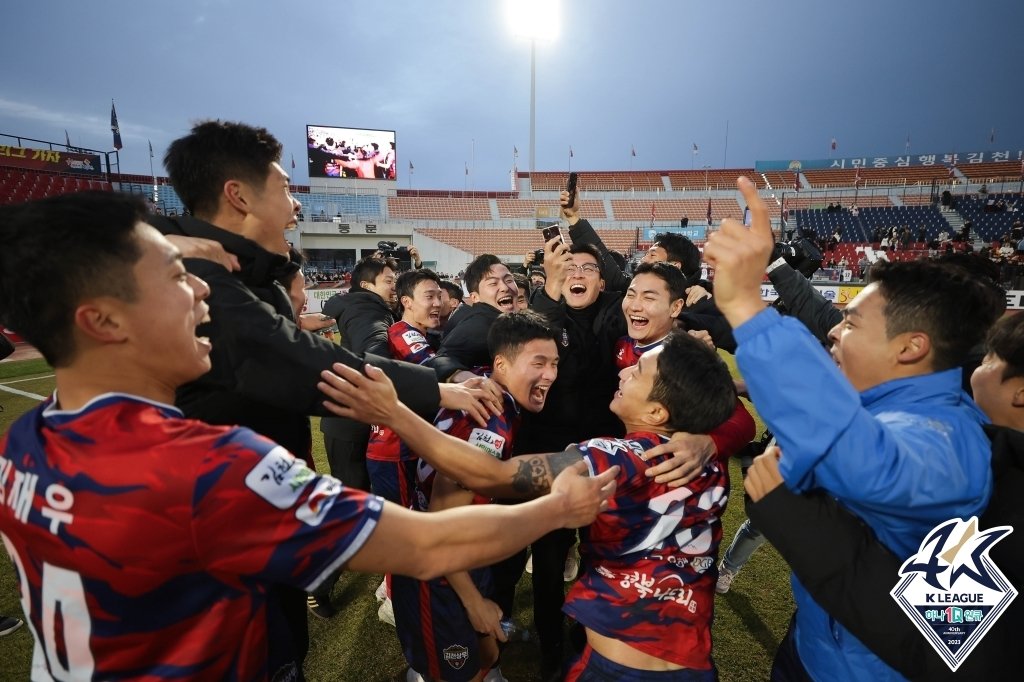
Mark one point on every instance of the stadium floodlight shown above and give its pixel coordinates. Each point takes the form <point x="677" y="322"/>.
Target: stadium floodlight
<point x="536" y="20"/>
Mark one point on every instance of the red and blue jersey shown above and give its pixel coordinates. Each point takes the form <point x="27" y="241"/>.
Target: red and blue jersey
<point x="651" y="557"/>
<point x="628" y="351"/>
<point x="408" y="343"/>
<point x="144" y="542"/>
<point x="495" y="439"/>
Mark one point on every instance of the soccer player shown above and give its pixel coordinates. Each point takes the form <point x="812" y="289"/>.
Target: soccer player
<point x="449" y="627"/>
<point x="647" y="595"/>
<point x="652" y="303"/>
<point x="145" y="542"/>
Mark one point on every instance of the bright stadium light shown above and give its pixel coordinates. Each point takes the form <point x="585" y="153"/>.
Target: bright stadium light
<point x="536" y="20"/>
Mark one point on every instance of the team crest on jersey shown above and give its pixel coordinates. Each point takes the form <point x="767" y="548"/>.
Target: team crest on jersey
<point x="488" y="441"/>
<point x="456" y="656"/>
<point x="565" y="338"/>
<point x="951" y="590"/>
<point x="319" y="502"/>
<point x="279" y="478"/>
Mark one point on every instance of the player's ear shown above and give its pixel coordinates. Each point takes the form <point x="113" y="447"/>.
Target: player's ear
<point x="656" y="415"/>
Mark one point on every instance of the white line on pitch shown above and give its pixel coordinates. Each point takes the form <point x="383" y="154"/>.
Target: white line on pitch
<point x="17" y="381"/>
<point x="22" y="393"/>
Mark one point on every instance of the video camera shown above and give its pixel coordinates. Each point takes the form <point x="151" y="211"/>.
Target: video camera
<point x="538" y="257"/>
<point x="393" y="250"/>
<point x="801" y="254"/>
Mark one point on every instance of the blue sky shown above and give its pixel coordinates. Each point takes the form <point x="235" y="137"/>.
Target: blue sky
<point x="452" y="80"/>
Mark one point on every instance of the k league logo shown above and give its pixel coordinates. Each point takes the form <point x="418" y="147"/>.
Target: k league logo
<point x="951" y="589"/>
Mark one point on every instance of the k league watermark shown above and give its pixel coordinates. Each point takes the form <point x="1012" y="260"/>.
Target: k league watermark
<point x="952" y="590"/>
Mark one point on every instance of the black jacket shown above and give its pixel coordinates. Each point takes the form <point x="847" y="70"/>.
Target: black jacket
<point x="704" y="315"/>
<point x="464" y="345"/>
<point x="850" y="573"/>
<point x="363" y="320"/>
<point x="265" y="369"/>
<point x="577" y="405"/>
<point x="6" y="347"/>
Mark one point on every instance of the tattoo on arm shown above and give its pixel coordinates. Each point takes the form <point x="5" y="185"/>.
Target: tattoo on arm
<point x="536" y="472"/>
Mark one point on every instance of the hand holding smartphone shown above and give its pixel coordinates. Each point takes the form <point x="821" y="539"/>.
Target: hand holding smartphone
<point x="570" y="187"/>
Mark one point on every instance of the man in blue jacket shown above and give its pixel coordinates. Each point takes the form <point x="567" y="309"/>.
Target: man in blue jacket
<point x="890" y="433"/>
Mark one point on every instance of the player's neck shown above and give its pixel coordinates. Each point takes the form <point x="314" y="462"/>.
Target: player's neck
<point x="77" y="386"/>
<point x="421" y="328"/>
<point x="639" y="426"/>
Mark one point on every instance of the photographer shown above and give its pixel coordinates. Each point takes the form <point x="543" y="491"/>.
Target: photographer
<point x="405" y="257"/>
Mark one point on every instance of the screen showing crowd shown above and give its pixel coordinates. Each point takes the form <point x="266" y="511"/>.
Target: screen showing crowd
<point x="351" y="153"/>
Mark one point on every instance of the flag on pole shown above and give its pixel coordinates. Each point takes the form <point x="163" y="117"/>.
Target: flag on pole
<point x="293" y="162"/>
<point x="151" y="151"/>
<point x="908" y="144"/>
<point x="992" y="135"/>
<point x="515" y="151"/>
<point x="467" y="168"/>
<point x="652" y="211"/>
<point x="796" y="181"/>
<point x="834" y="145"/>
<point x="570" y="151"/>
<point x="632" y="151"/>
<point x="856" y="177"/>
<point x="709" y="211"/>
<point x="114" y="128"/>
<point x="67" y="139"/>
<point x="411" y="167"/>
<point x="696" y="149"/>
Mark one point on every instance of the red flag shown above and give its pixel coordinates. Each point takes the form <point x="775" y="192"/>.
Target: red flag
<point x="834" y="145"/>
<point x="114" y="128"/>
<point x="652" y="211"/>
<point x="709" y="211"/>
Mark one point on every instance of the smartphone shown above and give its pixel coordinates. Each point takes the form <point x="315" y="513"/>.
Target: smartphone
<point x="551" y="232"/>
<point x="570" y="187"/>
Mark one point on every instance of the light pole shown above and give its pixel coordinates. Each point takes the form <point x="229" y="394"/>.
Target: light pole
<point x="536" y="20"/>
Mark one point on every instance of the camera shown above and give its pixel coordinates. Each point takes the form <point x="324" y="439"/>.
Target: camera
<point x="393" y="250"/>
<point x="538" y="257"/>
<point x="800" y="254"/>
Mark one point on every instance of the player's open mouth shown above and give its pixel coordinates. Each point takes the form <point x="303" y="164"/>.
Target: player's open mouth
<point x="638" y="322"/>
<point x="506" y="301"/>
<point x="578" y="289"/>
<point x="539" y="394"/>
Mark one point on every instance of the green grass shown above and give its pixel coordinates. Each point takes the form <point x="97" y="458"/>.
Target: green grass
<point x="354" y="646"/>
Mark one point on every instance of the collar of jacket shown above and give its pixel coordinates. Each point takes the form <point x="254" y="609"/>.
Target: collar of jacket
<point x="936" y="388"/>
<point x="259" y="266"/>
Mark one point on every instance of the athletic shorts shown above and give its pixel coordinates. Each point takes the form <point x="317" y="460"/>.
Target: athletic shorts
<point x="593" y="667"/>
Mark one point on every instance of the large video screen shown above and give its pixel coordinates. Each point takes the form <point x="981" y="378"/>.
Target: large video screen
<point x="351" y="153"/>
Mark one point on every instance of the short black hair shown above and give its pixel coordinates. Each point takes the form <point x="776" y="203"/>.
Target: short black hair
<point x="477" y="269"/>
<point x="1006" y="341"/>
<point x="522" y="283"/>
<point x="693" y="384"/>
<point x="511" y="331"/>
<point x="583" y="247"/>
<point x="453" y="289"/>
<point x="406" y="283"/>
<point x="59" y="251"/>
<point x="673" y="278"/>
<point x="368" y="270"/>
<point x="952" y="306"/>
<point x="682" y="250"/>
<point x="213" y="153"/>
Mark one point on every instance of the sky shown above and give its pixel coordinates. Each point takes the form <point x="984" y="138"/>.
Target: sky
<point x="453" y="81"/>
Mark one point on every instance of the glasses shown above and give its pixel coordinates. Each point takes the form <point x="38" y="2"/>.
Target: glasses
<point x="586" y="268"/>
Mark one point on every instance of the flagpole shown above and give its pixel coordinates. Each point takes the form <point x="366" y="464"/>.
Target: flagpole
<point x="156" y="195"/>
<point x="472" y="158"/>
<point x="725" y="155"/>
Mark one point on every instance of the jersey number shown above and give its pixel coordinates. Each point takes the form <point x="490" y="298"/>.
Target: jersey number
<point x="64" y="657"/>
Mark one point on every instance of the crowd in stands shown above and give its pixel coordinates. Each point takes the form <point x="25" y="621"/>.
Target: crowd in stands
<point x="595" y="398"/>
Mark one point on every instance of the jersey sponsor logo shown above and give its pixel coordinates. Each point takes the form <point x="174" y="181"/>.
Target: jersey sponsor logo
<point x="456" y="656"/>
<point x="319" y="502"/>
<point x="279" y="478"/>
<point x="952" y="590"/>
<point x="488" y="441"/>
<point x="412" y="336"/>
<point x="417" y="347"/>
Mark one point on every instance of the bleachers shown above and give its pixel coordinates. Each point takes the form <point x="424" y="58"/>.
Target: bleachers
<point x="820" y="201"/>
<point x="600" y="181"/>
<point x="713" y="179"/>
<point x="324" y="205"/>
<point x="990" y="226"/>
<point x="439" y="208"/>
<point x="893" y="175"/>
<point x="877" y="221"/>
<point x="695" y="210"/>
<point x="780" y="181"/>
<point x="527" y="208"/>
<point x="1000" y="171"/>
<point x="514" y="242"/>
<point x="18" y="185"/>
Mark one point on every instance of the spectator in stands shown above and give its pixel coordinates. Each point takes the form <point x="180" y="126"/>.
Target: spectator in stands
<point x="265" y="370"/>
<point x="898" y="351"/>
<point x="854" y="211"/>
<point x="206" y="520"/>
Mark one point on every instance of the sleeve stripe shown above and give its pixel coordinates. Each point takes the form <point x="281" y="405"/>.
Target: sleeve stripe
<point x="353" y="547"/>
